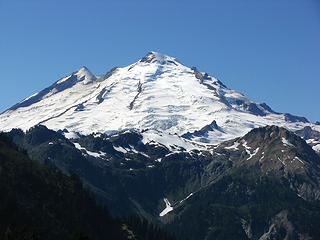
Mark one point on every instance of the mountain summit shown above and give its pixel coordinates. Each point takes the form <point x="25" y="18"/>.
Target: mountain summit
<point x="85" y="75"/>
<point x="157" y="93"/>
<point x="155" y="57"/>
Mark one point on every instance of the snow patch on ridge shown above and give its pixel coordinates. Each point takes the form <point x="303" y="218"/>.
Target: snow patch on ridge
<point x="33" y="95"/>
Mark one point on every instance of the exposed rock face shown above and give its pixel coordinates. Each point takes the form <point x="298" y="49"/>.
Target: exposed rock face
<point x="292" y="118"/>
<point x="308" y="133"/>
<point x="203" y="132"/>
<point x="280" y="228"/>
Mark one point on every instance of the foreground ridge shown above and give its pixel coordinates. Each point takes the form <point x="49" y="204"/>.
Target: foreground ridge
<point x="264" y="184"/>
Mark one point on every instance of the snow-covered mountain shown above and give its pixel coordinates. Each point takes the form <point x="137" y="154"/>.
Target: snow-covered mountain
<point x="176" y="146"/>
<point x="155" y="94"/>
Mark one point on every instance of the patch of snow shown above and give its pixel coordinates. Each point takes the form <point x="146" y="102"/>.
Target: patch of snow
<point x="311" y="141"/>
<point x="316" y="148"/>
<point x="167" y="209"/>
<point x="71" y="135"/>
<point x="138" y="152"/>
<point x="261" y="158"/>
<point x="93" y="154"/>
<point x="245" y="144"/>
<point x="286" y="142"/>
<point x="234" y="146"/>
<point x="219" y="154"/>
<point x="297" y="158"/>
<point x="171" y="153"/>
<point x="143" y="154"/>
<point x="33" y="95"/>
<point x="120" y="149"/>
<point x="253" y="154"/>
<point x="97" y="135"/>
<point x="168" y="140"/>
<point x="281" y="161"/>
<point x="63" y="79"/>
<point x="186" y="197"/>
<point x="247" y="148"/>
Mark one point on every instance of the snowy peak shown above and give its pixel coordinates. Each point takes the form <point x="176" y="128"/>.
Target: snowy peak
<point x="84" y="75"/>
<point x="157" y="93"/>
<point x="159" y="58"/>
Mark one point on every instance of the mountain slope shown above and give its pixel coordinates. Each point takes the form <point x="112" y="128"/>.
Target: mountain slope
<point x="157" y="92"/>
<point x="270" y="192"/>
<point x="268" y="179"/>
<point x="41" y="203"/>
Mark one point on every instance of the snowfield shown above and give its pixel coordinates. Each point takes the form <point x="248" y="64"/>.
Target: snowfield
<point x="157" y="93"/>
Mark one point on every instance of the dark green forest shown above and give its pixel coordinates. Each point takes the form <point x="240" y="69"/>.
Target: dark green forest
<point x="37" y="202"/>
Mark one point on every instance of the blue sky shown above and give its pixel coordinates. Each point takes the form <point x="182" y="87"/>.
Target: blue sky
<point x="268" y="50"/>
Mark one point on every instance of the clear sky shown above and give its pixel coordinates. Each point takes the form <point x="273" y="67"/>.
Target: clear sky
<point x="268" y="50"/>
